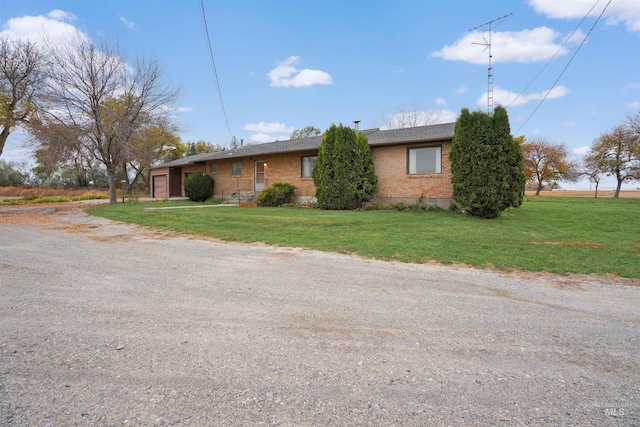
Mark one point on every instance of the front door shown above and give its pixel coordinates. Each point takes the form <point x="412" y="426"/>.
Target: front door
<point x="259" y="175"/>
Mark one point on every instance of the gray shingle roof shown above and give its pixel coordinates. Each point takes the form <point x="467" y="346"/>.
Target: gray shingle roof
<point x="375" y="137"/>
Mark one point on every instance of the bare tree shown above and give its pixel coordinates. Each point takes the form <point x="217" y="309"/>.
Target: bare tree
<point x="409" y="116"/>
<point x="22" y="73"/>
<point x="592" y="170"/>
<point x="105" y="100"/>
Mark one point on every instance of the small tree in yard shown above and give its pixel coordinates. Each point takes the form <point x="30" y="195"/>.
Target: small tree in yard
<point x="344" y="175"/>
<point x="617" y="153"/>
<point x="546" y="162"/>
<point x="486" y="163"/>
<point x="198" y="187"/>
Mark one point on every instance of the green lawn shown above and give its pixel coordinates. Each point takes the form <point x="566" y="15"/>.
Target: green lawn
<point x="560" y="235"/>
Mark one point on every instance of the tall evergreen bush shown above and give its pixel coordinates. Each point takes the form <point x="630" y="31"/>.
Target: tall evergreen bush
<point x="486" y="163"/>
<point x="344" y="175"/>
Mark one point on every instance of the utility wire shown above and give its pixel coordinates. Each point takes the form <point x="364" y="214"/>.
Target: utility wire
<point x="565" y="68"/>
<point x="213" y="63"/>
<point x="556" y="54"/>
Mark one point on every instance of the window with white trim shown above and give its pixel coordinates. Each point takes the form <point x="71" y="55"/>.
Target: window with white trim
<point x="213" y="168"/>
<point x="236" y="169"/>
<point x="425" y="160"/>
<point x="308" y="164"/>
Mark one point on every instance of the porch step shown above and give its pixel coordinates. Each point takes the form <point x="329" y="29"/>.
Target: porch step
<point x="241" y="196"/>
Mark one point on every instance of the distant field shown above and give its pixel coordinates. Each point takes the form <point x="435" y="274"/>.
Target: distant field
<point x="624" y="194"/>
<point x="13" y="192"/>
<point x="551" y="234"/>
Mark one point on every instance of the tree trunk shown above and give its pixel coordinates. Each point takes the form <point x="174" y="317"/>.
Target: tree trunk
<point x="539" y="188"/>
<point x="615" y="196"/>
<point x="111" y="177"/>
<point x="3" y="137"/>
<point x="596" y="196"/>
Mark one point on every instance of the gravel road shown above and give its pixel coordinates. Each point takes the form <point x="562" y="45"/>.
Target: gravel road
<point x="105" y="324"/>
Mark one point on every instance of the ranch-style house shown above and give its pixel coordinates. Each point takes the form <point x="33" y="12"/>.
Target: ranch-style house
<point x="412" y="165"/>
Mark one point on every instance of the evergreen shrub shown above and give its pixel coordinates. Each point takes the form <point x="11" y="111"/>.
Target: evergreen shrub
<point x="198" y="187"/>
<point x="344" y="175"/>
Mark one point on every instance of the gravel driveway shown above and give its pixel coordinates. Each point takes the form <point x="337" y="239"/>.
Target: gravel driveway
<point x="109" y="324"/>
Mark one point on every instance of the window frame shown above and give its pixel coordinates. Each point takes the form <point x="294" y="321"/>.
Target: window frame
<point x="302" y="166"/>
<point x="240" y="167"/>
<point x="438" y="161"/>
<point x="213" y="166"/>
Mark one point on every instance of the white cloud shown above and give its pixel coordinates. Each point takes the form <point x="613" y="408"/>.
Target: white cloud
<point x="398" y="71"/>
<point x="634" y="104"/>
<point x="184" y="109"/>
<point x="581" y="150"/>
<point x="627" y="11"/>
<point x="570" y="124"/>
<point x="526" y="46"/>
<point x="286" y="75"/>
<point x="267" y="127"/>
<point x="127" y="23"/>
<point x="506" y="98"/>
<point x="260" y="138"/>
<point x="61" y="15"/>
<point x="634" y="85"/>
<point x="461" y="89"/>
<point x="38" y="28"/>
<point x="440" y="101"/>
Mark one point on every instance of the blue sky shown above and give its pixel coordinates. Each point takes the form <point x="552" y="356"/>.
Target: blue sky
<point x="285" y="64"/>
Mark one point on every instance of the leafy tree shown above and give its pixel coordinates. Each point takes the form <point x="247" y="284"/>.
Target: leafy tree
<point x="486" y="164"/>
<point x="546" y="162"/>
<point x="201" y="147"/>
<point x="23" y="70"/>
<point x="61" y="161"/>
<point x="104" y="99"/>
<point x="617" y="153"/>
<point x="12" y="173"/>
<point x="305" y="132"/>
<point x="156" y="141"/>
<point x="344" y="175"/>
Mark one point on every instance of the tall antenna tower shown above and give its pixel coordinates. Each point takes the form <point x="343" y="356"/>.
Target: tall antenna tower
<point x="487" y="44"/>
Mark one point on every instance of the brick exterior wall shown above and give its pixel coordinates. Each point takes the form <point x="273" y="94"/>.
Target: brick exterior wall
<point x="286" y="167"/>
<point x="394" y="183"/>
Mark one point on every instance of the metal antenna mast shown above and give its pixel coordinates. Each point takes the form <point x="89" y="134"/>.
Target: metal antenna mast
<point x="487" y="45"/>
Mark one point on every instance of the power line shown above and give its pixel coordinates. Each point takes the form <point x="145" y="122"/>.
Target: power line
<point x="565" y="68"/>
<point x="213" y="63"/>
<point x="556" y="54"/>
